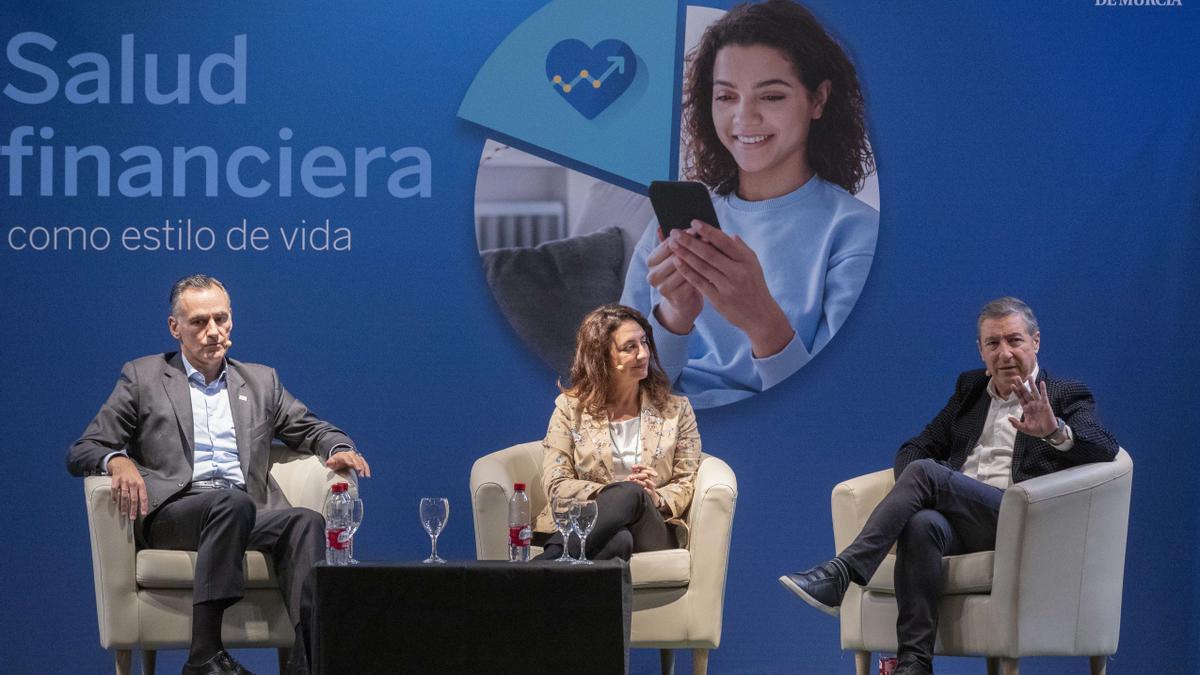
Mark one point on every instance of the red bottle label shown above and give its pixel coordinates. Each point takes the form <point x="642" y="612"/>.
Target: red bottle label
<point x="336" y="540"/>
<point x="519" y="535"/>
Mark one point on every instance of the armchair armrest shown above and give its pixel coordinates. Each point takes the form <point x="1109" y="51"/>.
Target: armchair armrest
<point x="304" y="479"/>
<point x="710" y="516"/>
<point x="853" y="501"/>
<point x="114" y="554"/>
<point x="492" y="477"/>
<point x="710" y="528"/>
<point x="490" y="518"/>
<point x="1060" y="558"/>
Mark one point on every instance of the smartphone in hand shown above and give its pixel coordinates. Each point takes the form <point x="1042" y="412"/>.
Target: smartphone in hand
<point x="677" y="203"/>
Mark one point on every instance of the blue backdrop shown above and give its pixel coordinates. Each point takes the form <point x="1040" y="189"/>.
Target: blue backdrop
<point x="1041" y="149"/>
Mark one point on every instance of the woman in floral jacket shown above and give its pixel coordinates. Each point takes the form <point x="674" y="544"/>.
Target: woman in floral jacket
<point x="619" y="437"/>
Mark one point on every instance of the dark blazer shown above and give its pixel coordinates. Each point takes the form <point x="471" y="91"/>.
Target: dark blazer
<point x="149" y="415"/>
<point x="951" y="436"/>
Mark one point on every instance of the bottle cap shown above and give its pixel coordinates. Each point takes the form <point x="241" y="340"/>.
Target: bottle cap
<point x="338" y="488"/>
<point x="519" y="487"/>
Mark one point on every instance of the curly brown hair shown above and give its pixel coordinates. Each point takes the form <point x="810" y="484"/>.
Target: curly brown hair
<point x="837" y="141"/>
<point x="592" y="369"/>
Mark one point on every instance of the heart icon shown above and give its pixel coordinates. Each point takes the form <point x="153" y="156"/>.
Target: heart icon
<point x="591" y="78"/>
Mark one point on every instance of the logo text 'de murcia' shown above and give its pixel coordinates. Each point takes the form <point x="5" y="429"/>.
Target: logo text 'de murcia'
<point x="1139" y="3"/>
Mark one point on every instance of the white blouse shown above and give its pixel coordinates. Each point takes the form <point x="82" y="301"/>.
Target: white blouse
<point x="627" y="441"/>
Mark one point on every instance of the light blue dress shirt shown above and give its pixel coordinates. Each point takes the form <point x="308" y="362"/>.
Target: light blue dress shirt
<point x="216" y="453"/>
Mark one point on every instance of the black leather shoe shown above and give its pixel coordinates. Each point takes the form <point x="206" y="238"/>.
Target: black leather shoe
<point x="220" y="664"/>
<point x="823" y="586"/>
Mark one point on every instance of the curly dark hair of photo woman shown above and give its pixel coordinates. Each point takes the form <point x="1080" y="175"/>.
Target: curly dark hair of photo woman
<point x="837" y="141"/>
<point x="592" y="368"/>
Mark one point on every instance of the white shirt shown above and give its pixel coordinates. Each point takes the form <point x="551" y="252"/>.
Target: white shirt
<point x="990" y="460"/>
<point x="627" y="440"/>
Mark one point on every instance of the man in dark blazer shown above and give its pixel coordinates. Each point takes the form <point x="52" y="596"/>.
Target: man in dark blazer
<point x="1004" y="424"/>
<point x="186" y="437"/>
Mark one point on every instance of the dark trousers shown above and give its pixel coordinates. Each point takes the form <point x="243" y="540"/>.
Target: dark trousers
<point x="626" y="523"/>
<point x="221" y="525"/>
<point x="931" y="512"/>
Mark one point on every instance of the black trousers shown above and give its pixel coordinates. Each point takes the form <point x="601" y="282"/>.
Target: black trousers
<point x="221" y="525"/>
<point x="626" y="523"/>
<point x="931" y="512"/>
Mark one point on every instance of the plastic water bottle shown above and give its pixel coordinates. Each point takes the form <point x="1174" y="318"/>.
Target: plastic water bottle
<point x="519" y="532"/>
<point x="339" y="514"/>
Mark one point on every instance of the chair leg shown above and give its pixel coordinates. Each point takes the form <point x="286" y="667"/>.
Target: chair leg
<point x="123" y="662"/>
<point x="998" y="665"/>
<point x="666" y="659"/>
<point x="862" y="663"/>
<point x="1099" y="665"/>
<point x="699" y="662"/>
<point x="285" y="655"/>
<point x="148" y="661"/>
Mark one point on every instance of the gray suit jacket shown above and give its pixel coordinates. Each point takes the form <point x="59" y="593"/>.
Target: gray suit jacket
<point x="149" y="416"/>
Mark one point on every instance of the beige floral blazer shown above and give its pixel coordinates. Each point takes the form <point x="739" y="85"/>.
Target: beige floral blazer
<point x="579" y="454"/>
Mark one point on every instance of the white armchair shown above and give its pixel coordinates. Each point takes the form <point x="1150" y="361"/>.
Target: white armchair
<point x="1051" y="587"/>
<point x="678" y="594"/>
<point x="144" y="597"/>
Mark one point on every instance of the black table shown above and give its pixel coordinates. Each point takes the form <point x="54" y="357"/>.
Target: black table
<point x="471" y="617"/>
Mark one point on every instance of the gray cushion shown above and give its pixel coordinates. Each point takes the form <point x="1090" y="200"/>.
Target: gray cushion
<point x="545" y="291"/>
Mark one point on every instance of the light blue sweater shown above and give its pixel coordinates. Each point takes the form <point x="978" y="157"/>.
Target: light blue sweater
<point x="815" y="245"/>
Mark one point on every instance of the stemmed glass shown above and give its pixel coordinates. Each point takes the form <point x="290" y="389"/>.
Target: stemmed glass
<point x="562" y="509"/>
<point x="356" y="518"/>
<point x="585" y="520"/>
<point x="435" y="511"/>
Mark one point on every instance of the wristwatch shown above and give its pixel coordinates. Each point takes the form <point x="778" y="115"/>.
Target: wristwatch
<point x="1058" y="436"/>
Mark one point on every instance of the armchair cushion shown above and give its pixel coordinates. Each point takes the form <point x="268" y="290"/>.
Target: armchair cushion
<point x="671" y="568"/>
<point x="157" y="568"/>
<point x="969" y="573"/>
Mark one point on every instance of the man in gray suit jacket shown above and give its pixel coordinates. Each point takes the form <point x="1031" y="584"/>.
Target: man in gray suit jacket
<point x="186" y="437"/>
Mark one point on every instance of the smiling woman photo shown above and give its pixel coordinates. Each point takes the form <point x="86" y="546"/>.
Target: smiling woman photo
<point x="773" y="126"/>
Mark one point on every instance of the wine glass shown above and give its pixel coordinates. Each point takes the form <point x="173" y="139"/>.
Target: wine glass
<point x="585" y="520"/>
<point x="435" y="511"/>
<point x="562" y="508"/>
<point x="356" y="518"/>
